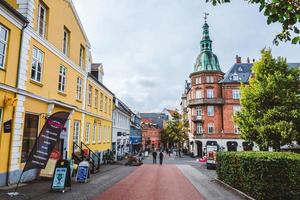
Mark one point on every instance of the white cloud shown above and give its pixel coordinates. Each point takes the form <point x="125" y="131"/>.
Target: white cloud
<point x="148" y="47"/>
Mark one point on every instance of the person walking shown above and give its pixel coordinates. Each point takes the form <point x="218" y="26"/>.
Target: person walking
<point x="161" y="157"/>
<point x="154" y="154"/>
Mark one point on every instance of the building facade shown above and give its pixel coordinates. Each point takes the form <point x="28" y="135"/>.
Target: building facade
<point x="151" y="139"/>
<point x="135" y="133"/>
<point x="53" y="73"/>
<point x="121" y="128"/>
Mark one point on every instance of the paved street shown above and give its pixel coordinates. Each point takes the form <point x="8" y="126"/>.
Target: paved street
<point x="176" y="179"/>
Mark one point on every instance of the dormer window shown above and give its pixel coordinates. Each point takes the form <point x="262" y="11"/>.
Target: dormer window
<point x="240" y="69"/>
<point x="235" y="76"/>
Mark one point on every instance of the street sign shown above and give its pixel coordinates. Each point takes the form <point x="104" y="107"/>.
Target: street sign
<point x="83" y="173"/>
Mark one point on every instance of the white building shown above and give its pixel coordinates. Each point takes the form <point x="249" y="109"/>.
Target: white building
<point x="121" y="128"/>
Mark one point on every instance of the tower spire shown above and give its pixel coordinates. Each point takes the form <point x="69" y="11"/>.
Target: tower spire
<point x="206" y="41"/>
<point x="205" y="16"/>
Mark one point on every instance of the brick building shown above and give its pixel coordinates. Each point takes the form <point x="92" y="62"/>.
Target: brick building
<point x="150" y="134"/>
<point x="211" y="99"/>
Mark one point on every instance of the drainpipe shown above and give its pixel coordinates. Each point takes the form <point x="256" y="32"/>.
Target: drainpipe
<point x="14" y="109"/>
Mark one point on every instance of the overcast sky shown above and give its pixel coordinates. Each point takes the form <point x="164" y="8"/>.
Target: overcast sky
<point x="148" y="47"/>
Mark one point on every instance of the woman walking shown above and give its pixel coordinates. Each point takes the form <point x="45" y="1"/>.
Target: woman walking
<point x="161" y="157"/>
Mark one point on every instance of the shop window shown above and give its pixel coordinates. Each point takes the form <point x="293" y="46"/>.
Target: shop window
<point x="29" y="135"/>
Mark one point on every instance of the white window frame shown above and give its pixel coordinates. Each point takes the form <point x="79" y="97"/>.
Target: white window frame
<point x="44" y="20"/>
<point x="96" y="98"/>
<point x="104" y="134"/>
<point x="66" y="41"/>
<point x="81" y="56"/>
<point x="198" y="93"/>
<point x="90" y="88"/>
<point x="210" y="93"/>
<point x="1" y="114"/>
<point x="199" y="128"/>
<point x="210" y="114"/>
<point x="99" y="133"/>
<point x="37" y="60"/>
<point x="210" y="125"/>
<point x="101" y="101"/>
<point x="79" y="88"/>
<point x="87" y="133"/>
<point x="198" y="80"/>
<point x="209" y="79"/>
<point x="4" y="41"/>
<point x="105" y="104"/>
<point x="76" y="133"/>
<point x="107" y="134"/>
<point x="62" y="79"/>
<point x="198" y="111"/>
<point x="94" y="133"/>
<point x="236" y="93"/>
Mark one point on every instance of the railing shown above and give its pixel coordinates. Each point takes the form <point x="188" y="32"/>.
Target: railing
<point x="92" y="158"/>
<point x="201" y="101"/>
<point x="76" y="157"/>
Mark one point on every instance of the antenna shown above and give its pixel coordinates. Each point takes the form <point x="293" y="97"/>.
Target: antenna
<point x="205" y="16"/>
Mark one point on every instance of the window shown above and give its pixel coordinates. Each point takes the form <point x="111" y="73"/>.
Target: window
<point x="41" y="24"/>
<point x="236" y="94"/>
<point x="198" y="111"/>
<point x="1" y="112"/>
<point x="99" y="134"/>
<point x="90" y="95"/>
<point x="108" y="134"/>
<point x="87" y="133"/>
<point x="197" y="80"/>
<point x="210" y="110"/>
<point x="76" y="133"/>
<point x="104" y="134"/>
<point x="105" y="105"/>
<point x="37" y="65"/>
<point x="236" y="109"/>
<point x="199" y="128"/>
<point x="29" y="135"/>
<point x="81" y="56"/>
<point x="209" y="79"/>
<point x="94" y="133"/>
<point x="96" y="99"/>
<point x="79" y="88"/>
<point x="198" y="94"/>
<point x="62" y="79"/>
<point x="210" y="127"/>
<point x="210" y="93"/>
<point x="3" y="45"/>
<point x="109" y="107"/>
<point x="66" y="41"/>
<point x="236" y="129"/>
<point x="101" y="101"/>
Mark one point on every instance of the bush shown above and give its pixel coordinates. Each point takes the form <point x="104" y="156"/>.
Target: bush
<point x="262" y="175"/>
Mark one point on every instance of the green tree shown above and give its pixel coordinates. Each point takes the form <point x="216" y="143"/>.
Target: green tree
<point x="270" y="114"/>
<point x="175" y="131"/>
<point x="286" y="12"/>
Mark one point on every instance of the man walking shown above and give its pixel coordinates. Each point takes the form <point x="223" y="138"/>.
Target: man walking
<point x="154" y="154"/>
<point x="161" y="157"/>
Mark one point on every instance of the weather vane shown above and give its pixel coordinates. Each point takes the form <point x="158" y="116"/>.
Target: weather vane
<point x="205" y="16"/>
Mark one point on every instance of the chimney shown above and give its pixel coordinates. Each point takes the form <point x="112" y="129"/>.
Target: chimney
<point x="97" y="71"/>
<point x="238" y="59"/>
<point x="248" y="60"/>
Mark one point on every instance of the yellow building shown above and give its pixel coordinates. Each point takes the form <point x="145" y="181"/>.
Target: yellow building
<point x="54" y="73"/>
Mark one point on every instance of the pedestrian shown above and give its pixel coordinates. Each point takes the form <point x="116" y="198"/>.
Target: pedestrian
<point x="179" y="152"/>
<point x="154" y="154"/>
<point x="161" y="157"/>
<point x="169" y="152"/>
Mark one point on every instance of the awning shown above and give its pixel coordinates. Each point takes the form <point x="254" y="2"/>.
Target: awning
<point x="212" y="143"/>
<point x="232" y="143"/>
<point x="246" y="144"/>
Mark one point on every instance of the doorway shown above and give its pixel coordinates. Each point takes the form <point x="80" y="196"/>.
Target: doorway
<point x="199" y="148"/>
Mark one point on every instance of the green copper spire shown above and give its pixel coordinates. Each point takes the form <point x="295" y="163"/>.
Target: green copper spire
<point x="206" y="60"/>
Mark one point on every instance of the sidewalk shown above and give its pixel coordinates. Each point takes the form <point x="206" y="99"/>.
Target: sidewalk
<point x="99" y="182"/>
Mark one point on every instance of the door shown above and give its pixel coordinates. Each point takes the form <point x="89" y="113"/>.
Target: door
<point x="199" y="148"/>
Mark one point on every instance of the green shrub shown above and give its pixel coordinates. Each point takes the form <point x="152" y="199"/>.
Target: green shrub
<point x="262" y="175"/>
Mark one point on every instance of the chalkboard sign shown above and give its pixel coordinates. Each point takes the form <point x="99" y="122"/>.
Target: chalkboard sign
<point x="61" y="177"/>
<point x="83" y="173"/>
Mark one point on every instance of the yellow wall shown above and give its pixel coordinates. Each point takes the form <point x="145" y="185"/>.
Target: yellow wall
<point x="13" y="3"/>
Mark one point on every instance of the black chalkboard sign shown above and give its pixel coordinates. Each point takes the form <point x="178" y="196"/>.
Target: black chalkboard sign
<point x="62" y="176"/>
<point x="7" y="126"/>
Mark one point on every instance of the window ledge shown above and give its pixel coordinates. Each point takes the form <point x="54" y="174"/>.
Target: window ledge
<point x="2" y="69"/>
<point x="61" y="93"/>
<point x="36" y="83"/>
<point x="79" y="100"/>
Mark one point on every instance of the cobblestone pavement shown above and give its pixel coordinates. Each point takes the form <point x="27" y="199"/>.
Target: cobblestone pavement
<point x="40" y="190"/>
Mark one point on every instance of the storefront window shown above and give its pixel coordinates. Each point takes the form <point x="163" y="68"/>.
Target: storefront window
<point x="29" y="135"/>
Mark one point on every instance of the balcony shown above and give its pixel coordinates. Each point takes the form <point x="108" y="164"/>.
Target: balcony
<point x="198" y="135"/>
<point x="203" y="101"/>
<point x="197" y="118"/>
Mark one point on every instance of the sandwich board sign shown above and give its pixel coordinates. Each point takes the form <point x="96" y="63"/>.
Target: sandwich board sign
<point x="83" y="173"/>
<point x="61" y="177"/>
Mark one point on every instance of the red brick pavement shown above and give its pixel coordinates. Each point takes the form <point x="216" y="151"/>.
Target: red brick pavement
<point x="153" y="182"/>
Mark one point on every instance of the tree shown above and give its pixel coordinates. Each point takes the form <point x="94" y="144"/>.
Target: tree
<point x="286" y="12"/>
<point x="270" y="114"/>
<point x="175" y="131"/>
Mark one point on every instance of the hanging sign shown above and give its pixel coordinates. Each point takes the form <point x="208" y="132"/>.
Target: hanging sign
<point x="46" y="141"/>
<point x="7" y="126"/>
<point x="62" y="176"/>
<point x="83" y="173"/>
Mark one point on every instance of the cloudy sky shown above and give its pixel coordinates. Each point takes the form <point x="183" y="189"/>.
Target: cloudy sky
<point x="149" y="47"/>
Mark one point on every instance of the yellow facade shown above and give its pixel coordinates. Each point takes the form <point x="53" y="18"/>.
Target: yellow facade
<point x="62" y="52"/>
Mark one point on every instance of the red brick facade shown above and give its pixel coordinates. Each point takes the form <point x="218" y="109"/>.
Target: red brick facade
<point x="150" y="135"/>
